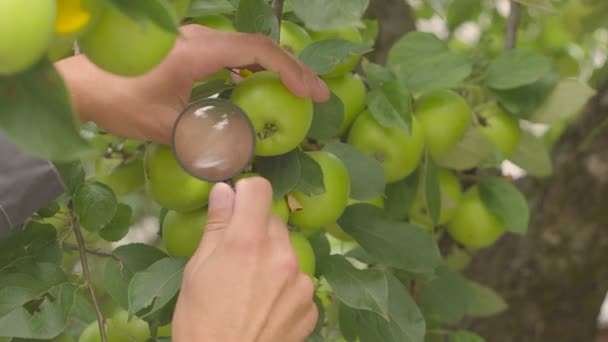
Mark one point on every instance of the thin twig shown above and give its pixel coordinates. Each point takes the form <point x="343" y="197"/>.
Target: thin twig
<point x="277" y="8"/>
<point x="97" y="252"/>
<point x="85" y="270"/>
<point x="512" y="25"/>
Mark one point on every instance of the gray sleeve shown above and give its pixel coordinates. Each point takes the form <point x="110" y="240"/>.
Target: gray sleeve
<point x="27" y="184"/>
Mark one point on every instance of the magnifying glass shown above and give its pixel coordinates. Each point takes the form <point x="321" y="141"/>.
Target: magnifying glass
<point x="213" y="139"/>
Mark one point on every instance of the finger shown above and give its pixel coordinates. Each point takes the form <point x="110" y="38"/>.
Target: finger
<point x="251" y="212"/>
<point x="221" y="203"/>
<point x="278" y="230"/>
<point x="235" y="49"/>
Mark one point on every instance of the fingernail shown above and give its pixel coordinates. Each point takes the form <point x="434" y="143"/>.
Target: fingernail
<point x="221" y="196"/>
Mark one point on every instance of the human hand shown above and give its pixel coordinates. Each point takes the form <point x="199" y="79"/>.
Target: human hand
<point x="146" y="107"/>
<point x="243" y="283"/>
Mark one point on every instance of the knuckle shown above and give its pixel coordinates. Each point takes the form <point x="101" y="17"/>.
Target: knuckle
<point x="262" y="39"/>
<point x="307" y="287"/>
<point x="288" y="262"/>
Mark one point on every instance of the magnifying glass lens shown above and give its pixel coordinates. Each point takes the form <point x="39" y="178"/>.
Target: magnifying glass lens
<point x="213" y="140"/>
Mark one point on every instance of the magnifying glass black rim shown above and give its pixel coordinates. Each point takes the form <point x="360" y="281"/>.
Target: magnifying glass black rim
<point x="239" y="112"/>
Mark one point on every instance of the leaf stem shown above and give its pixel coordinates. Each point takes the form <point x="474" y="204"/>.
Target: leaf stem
<point x="97" y="252"/>
<point x="85" y="270"/>
<point x="512" y="25"/>
<point x="277" y="8"/>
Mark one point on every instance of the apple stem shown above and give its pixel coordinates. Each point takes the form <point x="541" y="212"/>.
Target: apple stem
<point x="277" y="7"/>
<point x="512" y="25"/>
<point x="85" y="270"/>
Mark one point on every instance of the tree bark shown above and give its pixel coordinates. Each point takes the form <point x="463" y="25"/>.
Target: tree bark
<point x="395" y="19"/>
<point x="556" y="277"/>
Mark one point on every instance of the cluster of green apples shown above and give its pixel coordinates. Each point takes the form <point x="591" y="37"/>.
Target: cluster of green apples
<point x="104" y="33"/>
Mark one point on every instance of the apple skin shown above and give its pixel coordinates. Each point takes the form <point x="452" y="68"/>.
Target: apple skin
<point x="451" y="194"/>
<point x="280" y="118"/>
<point x="216" y="21"/>
<point x="346" y="33"/>
<point x="444" y="116"/>
<point x="110" y="43"/>
<point x="183" y="232"/>
<point x="293" y="37"/>
<point x="351" y="90"/>
<point x="118" y="329"/>
<point x="27" y="29"/>
<point x="304" y="253"/>
<point x="399" y="153"/>
<point x="473" y="225"/>
<point x="320" y="210"/>
<point x="170" y="185"/>
<point x="336" y="231"/>
<point x="500" y="128"/>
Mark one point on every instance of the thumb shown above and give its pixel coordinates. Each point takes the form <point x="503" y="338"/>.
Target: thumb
<point x="221" y="202"/>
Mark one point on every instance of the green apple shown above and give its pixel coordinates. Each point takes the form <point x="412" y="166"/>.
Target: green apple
<point x="182" y="232"/>
<point x="473" y="225"/>
<point x="399" y="153"/>
<point x="216" y="21"/>
<point x="26" y="31"/>
<point x="451" y="193"/>
<point x="320" y="210"/>
<point x="351" y="91"/>
<point x="280" y="118"/>
<point x="293" y="37"/>
<point x="500" y="128"/>
<point x="346" y="33"/>
<point x="336" y="231"/>
<point x="170" y="185"/>
<point x="444" y="116"/>
<point x="304" y="253"/>
<point x="279" y="207"/>
<point x="165" y="331"/>
<point x="125" y="179"/>
<point x="118" y="329"/>
<point x="124" y="46"/>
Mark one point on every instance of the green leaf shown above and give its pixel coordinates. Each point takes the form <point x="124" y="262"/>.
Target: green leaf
<point x="470" y="151"/>
<point x="95" y="204"/>
<point x="431" y="190"/>
<point x="207" y="89"/>
<point x="46" y="322"/>
<point x="320" y="15"/>
<point x="396" y="244"/>
<point x="320" y="245"/>
<point x="156" y="286"/>
<point x="129" y="259"/>
<point x="200" y="8"/>
<point x="460" y="11"/>
<point x="26" y="283"/>
<point x="81" y="315"/>
<point x="119" y="225"/>
<point x="283" y="172"/>
<point x="400" y="197"/>
<point x="73" y="174"/>
<point x="391" y="105"/>
<point x="525" y="100"/>
<point x="347" y="321"/>
<point x="366" y="173"/>
<point x="567" y="98"/>
<point x="359" y="289"/>
<point x="369" y="33"/>
<point x="506" y="203"/>
<point x="405" y="324"/>
<point x="256" y="16"/>
<point x="37" y="114"/>
<point x="532" y="155"/>
<point x="465" y="336"/>
<point x="327" y="119"/>
<point x="322" y="56"/>
<point x="447" y="297"/>
<point x="423" y="62"/>
<point x="311" y="176"/>
<point x="37" y="242"/>
<point x="486" y="301"/>
<point x="516" y="68"/>
<point x="376" y="74"/>
<point x="160" y="12"/>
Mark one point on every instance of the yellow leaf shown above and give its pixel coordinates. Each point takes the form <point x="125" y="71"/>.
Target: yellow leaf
<point x="71" y="16"/>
